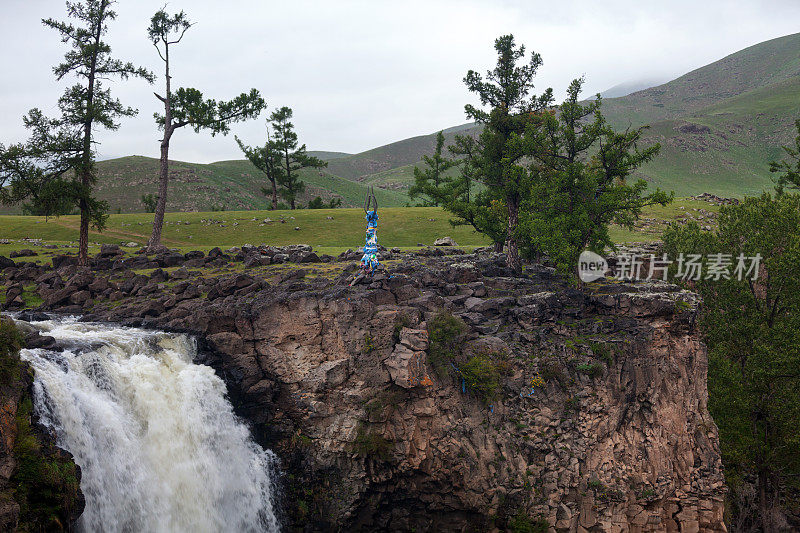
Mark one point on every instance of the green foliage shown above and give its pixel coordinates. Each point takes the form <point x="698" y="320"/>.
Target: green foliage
<point x="372" y="445"/>
<point x="592" y="370"/>
<point x="149" y="201"/>
<point x="571" y="405"/>
<point x="267" y="159"/>
<point x="752" y="329"/>
<point x="428" y="181"/>
<point x="595" y="484"/>
<point x="578" y="181"/>
<point x="10" y="344"/>
<point x="445" y="341"/>
<point x="44" y="484"/>
<point x="401" y="321"/>
<point x="49" y="201"/>
<point x="369" y="344"/>
<point x="292" y="158"/>
<point x="522" y="523"/>
<point x="56" y="166"/>
<point x="482" y="374"/>
<point x="188" y="107"/>
<point x="45" y="487"/>
<point x="318" y="203"/>
<point x="602" y="352"/>
<point x="550" y="370"/>
<point x="497" y="158"/>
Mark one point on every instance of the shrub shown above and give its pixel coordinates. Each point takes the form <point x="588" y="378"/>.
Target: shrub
<point x="45" y="485"/>
<point x="402" y="321"/>
<point x="522" y="523"/>
<point x="571" y="405"/>
<point x="482" y="375"/>
<point x="591" y="369"/>
<point x="550" y="370"/>
<point x="369" y="344"/>
<point x="445" y="340"/>
<point x="370" y="444"/>
<point x="602" y="352"/>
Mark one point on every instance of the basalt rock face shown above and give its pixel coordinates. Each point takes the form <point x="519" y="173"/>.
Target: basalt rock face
<point x="599" y="421"/>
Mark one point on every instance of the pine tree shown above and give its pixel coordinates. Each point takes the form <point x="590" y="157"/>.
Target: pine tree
<point x="577" y="181"/>
<point x="293" y="159"/>
<point x="187" y="107"/>
<point x="59" y="158"/>
<point x="267" y="159"/>
<point x="484" y="209"/>
<point x="428" y="181"/>
<point x="498" y="162"/>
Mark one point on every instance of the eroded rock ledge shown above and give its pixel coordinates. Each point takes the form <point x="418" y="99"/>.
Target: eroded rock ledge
<point x="335" y="379"/>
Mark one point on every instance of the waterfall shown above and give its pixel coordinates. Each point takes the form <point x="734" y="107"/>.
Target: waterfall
<point x="157" y="440"/>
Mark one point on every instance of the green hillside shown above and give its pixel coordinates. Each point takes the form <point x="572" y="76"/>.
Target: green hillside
<point x="397" y="154"/>
<point x="719" y="126"/>
<point x="755" y="67"/>
<point x="232" y="185"/>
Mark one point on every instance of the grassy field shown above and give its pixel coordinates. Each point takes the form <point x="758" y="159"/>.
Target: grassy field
<point x="327" y="230"/>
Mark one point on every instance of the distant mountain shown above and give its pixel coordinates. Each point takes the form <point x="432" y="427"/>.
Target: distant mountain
<point x="624" y="89"/>
<point x="327" y="155"/>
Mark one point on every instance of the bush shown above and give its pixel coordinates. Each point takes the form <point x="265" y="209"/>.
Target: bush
<point x="602" y="352"/>
<point x="445" y="341"/>
<point x="45" y="485"/>
<point x="402" y="321"/>
<point x="370" y="444"/>
<point x="482" y="375"/>
<point x="591" y="369"/>
<point x="522" y="523"/>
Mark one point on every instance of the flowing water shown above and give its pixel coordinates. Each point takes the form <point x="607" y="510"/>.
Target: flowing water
<point x="157" y="441"/>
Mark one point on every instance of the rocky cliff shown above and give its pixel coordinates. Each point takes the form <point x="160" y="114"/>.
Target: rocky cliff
<point x="39" y="482"/>
<point x="444" y="395"/>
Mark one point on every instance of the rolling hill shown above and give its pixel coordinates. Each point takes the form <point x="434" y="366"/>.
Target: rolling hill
<point x="229" y="185"/>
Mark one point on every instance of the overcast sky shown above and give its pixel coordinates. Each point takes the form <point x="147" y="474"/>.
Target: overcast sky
<point x="360" y="74"/>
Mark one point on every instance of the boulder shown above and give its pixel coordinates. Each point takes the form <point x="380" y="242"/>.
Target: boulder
<point x="25" y="252"/>
<point x="109" y="250"/>
<point x="445" y="241"/>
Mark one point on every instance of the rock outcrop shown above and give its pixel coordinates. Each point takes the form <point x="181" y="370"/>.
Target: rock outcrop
<point x="598" y="422"/>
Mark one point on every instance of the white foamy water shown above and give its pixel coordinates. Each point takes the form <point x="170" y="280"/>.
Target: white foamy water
<point x="157" y="441"/>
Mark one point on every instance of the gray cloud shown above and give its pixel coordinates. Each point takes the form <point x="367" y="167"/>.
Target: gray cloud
<point x="360" y="74"/>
